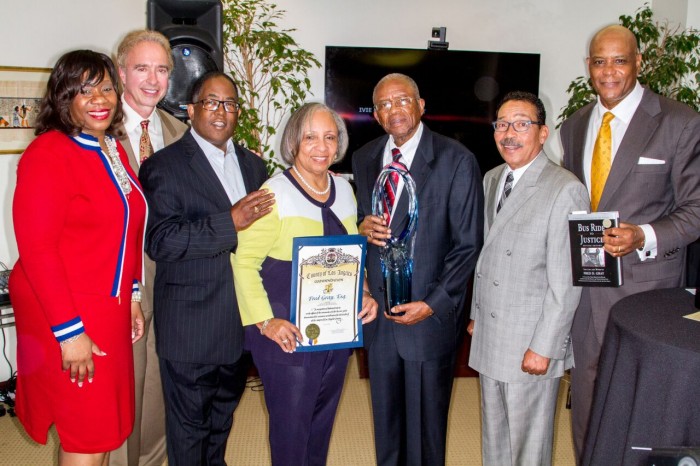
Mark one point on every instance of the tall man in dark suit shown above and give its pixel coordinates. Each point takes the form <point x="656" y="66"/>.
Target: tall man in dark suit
<point x="145" y="64"/>
<point x="638" y="153"/>
<point x="196" y="190"/>
<point x="411" y="357"/>
<point x="523" y="302"/>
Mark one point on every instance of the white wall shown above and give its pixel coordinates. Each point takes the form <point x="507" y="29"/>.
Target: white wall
<point x="39" y="31"/>
<point x="557" y="29"/>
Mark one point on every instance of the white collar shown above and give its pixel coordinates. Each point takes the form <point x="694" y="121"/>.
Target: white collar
<point x="132" y="119"/>
<point x="627" y="106"/>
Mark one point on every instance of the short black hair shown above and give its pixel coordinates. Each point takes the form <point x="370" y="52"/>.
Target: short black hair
<point x="73" y="71"/>
<point x="525" y="97"/>
<point x="199" y="83"/>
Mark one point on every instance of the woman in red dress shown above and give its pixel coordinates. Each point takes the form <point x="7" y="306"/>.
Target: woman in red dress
<point x="78" y="215"/>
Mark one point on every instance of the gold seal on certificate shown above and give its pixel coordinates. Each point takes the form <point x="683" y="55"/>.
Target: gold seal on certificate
<point x="312" y="331"/>
<point x="327" y="276"/>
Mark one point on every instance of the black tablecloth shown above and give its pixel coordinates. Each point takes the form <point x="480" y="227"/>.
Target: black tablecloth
<point x="647" y="392"/>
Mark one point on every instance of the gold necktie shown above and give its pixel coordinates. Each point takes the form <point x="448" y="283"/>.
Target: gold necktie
<point x="145" y="147"/>
<point x="602" y="160"/>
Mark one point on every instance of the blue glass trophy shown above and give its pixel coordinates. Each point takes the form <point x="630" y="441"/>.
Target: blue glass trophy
<point x="397" y="254"/>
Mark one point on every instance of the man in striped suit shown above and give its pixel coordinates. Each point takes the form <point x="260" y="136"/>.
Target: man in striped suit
<point x="197" y="194"/>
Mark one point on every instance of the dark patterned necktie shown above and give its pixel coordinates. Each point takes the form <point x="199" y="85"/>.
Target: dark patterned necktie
<point x="145" y="147"/>
<point x="392" y="182"/>
<point x="507" y="188"/>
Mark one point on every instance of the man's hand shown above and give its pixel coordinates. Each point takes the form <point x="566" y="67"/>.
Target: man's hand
<point x="375" y="229"/>
<point x="414" y="312"/>
<point x="622" y="240"/>
<point x="534" y="364"/>
<point x="251" y="208"/>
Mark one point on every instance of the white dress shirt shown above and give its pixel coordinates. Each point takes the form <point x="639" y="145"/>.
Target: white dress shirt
<point x="132" y="125"/>
<point x="517" y="174"/>
<point x="408" y="152"/>
<point x="234" y="185"/>
<point x="623" y="111"/>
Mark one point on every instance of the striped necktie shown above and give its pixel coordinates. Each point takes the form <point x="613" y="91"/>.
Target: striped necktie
<point x="602" y="160"/>
<point x="392" y="182"/>
<point x="507" y="188"/>
<point x="145" y="147"/>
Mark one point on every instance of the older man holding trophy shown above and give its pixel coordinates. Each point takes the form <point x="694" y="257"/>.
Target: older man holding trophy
<point x="420" y="205"/>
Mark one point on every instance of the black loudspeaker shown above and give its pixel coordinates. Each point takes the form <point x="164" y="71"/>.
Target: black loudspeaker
<point x="194" y="29"/>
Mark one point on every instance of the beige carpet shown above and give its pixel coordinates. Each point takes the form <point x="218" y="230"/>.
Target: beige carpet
<point x="352" y="441"/>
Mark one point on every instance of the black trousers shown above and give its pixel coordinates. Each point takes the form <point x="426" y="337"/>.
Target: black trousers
<point x="199" y="403"/>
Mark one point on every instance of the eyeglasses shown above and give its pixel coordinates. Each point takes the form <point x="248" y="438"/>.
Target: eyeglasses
<point x="386" y="105"/>
<point x="213" y="105"/>
<point x="519" y="126"/>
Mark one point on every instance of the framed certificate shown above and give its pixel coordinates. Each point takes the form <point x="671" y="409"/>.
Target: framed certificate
<point x="327" y="276"/>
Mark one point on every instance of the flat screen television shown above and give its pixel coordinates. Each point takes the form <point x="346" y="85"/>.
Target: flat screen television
<point x="461" y="90"/>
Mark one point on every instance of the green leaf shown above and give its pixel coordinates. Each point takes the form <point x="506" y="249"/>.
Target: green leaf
<point x="270" y="68"/>
<point x="670" y="60"/>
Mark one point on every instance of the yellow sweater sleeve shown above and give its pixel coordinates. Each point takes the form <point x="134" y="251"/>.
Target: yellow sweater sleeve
<point x="254" y="245"/>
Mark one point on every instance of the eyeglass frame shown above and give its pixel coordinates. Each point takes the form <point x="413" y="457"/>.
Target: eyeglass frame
<point x="382" y="106"/>
<point x="236" y="105"/>
<point x="512" y="123"/>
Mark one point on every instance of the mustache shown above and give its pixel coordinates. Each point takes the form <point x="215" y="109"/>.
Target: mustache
<point x="511" y="142"/>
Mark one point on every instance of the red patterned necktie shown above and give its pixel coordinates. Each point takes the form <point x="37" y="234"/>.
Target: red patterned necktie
<point x="392" y="182"/>
<point x="145" y="147"/>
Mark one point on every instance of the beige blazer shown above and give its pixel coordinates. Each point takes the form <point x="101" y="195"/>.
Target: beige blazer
<point x="173" y="129"/>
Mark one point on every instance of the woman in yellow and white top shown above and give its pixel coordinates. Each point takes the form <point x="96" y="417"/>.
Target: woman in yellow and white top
<point x="302" y="390"/>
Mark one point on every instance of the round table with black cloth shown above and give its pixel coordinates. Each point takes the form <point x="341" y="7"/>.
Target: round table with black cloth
<point x="647" y="392"/>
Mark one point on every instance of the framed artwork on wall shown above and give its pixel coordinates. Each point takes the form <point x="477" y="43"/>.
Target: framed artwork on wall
<point x="21" y="90"/>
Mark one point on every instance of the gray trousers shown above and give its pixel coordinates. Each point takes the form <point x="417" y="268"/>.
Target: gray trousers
<point x="517" y="422"/>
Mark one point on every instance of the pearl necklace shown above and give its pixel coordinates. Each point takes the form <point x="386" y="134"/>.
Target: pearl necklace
<point x="306" y="183"/>
<point x="117" y="167"/>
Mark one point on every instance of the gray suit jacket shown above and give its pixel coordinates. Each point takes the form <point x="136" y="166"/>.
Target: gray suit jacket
<point x="523" y="293"/>
<point x="173" y="129"/>
<point x="665" y="195"/>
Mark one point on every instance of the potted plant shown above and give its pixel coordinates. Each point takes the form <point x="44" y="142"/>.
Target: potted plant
<point x="270" y="68"/>
<point x="670" y="63"/>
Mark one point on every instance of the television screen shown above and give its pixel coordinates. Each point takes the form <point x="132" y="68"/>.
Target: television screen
<point x="461" y="90"/>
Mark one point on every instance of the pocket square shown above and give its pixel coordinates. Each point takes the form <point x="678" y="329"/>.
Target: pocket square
<point x="648" y="161"/>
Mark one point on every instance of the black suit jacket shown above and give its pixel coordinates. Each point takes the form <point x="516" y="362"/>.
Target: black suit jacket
<point x="190" y="234"/>
<point x="448" y="239"/>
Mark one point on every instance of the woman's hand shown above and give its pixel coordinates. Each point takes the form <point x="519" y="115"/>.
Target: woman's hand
<point x="282" y="332"/>
<point x="375" y="229"/>
<point x="137" y="322"/>
<point x="77" y="358"/>
<point x="369" y="308"/>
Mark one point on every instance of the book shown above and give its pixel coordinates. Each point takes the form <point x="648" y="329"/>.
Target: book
<point x="591" y="265"/>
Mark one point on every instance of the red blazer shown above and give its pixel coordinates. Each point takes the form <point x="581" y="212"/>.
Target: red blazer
<point x="71" y="223"/>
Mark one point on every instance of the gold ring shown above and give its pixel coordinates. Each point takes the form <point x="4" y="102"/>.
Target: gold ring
<point x="255" y="208"/>
<point x="371" y="234"/>
<point x="285" y="341"/>
<point x="618" y="249"/>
